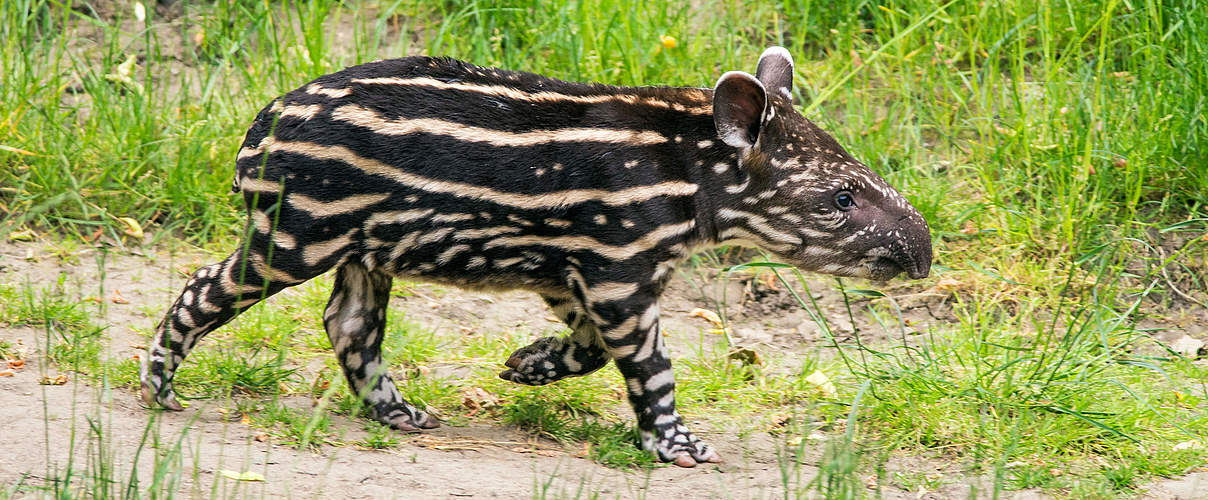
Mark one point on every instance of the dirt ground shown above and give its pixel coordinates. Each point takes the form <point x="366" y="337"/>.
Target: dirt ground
<point x="478" y="460"/>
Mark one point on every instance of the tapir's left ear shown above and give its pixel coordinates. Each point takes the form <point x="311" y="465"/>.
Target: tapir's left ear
<point x="740" y="104"/>
<point x="775" y="71"/>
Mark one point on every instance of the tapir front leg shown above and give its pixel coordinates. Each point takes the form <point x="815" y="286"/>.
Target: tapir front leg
<point x="550" y="359"/>
<point x="628" y="318"/>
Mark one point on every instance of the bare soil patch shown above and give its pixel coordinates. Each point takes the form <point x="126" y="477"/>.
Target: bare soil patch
<point x="477" y="460"/>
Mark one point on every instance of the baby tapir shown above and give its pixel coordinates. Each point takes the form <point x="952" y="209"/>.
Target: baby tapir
<point x="589" y="195"/>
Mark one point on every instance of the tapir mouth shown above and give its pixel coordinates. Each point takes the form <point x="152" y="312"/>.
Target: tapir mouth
<point x="918" y="272"/>
<point x="880" y="264"/>
<point x="886" y="268"/>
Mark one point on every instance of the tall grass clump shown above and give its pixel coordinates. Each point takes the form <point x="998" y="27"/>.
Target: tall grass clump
<point x="1045" y="119"/>
<point x="1057" y="390"/>
<point x="1025" y="131"/>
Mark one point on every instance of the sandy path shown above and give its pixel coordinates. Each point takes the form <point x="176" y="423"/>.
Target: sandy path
<point x="209" y="445"/>
<point x="479" y="460"/>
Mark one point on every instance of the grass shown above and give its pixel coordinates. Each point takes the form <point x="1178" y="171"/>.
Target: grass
<point x="1058" y="149"/>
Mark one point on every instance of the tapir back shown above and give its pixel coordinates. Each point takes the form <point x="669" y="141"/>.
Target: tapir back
<point x="441" y="169"/>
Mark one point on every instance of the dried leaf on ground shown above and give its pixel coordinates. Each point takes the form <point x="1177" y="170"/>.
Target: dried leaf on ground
<point x="777" y="421"/>
<point x="948" y="284"/>
<point x="745" y="356"/>
<point x="55" y="380"/>
<point x="22" y="235"/>
<point x="242" y="476"/>
<point x="769" y="280"/>
<point x="477" y="399"/>
<point x="1188" y="346"/>
<point x="1193" y="444"/>
<point x="131" y="227"/>
<point x="823" y="383"/>
<point x="707" y="315"/>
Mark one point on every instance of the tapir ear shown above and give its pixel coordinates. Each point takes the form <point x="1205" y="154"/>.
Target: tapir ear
<point x="775" y="71"/>
<point x="739" y="105"/>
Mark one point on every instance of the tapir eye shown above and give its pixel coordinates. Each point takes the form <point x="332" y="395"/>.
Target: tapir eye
<point x="845" y="201"/>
